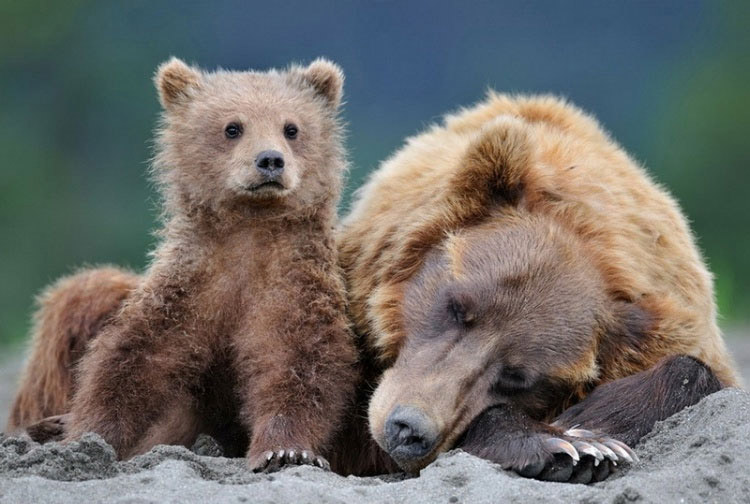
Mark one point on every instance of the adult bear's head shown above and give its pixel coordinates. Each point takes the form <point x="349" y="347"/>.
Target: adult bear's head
<point x="508" y="311"/>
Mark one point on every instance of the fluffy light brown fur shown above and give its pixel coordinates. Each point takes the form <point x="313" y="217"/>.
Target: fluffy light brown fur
<point x="569" y="169"/>
<point x="518" y="162"/>
<point x="238" y="326"/>
<point x="69" y="314"/>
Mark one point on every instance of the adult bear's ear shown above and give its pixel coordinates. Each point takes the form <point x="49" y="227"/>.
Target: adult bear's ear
<point x="174" y="81"/>
<point x="632" y="324"/>
<point x="497" y="163"/>
<point x="628" y="335"/>
<point x="326" y="78"/>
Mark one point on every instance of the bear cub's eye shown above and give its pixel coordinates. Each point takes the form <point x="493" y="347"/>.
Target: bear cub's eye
<point x="290" y="131"/>
<point x="233" y="130"/>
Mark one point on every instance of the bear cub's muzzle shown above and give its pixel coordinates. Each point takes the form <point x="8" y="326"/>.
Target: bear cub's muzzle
<point x="270" y="165"/>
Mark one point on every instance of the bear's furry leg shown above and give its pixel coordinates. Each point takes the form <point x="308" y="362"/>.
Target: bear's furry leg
<point x="137" y="386"/>
<point x="48" y="429"/>
<point x="71" y="312"/>
<point x="507" y="436"/>
<point x="625" y="409"/>
<point x="179" y="424"/>
<point x="296" y="390"/>
<point x="628" y="408"/>
<point x="290" y="405"/>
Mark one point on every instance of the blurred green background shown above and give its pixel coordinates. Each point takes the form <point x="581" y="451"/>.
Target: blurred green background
<point x="670" y="80"/>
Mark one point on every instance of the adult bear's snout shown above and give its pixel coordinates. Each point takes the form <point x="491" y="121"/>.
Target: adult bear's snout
<point x="409" y="434"/>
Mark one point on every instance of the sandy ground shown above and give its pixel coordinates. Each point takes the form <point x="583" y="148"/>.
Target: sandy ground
<point x="699" y="455"/>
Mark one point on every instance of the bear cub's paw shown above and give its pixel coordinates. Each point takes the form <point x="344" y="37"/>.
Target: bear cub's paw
<point x="274" y="460"/>
<point x="48" y="429"/>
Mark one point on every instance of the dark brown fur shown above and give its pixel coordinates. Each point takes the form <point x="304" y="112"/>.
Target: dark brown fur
<point x="238" y="327"/>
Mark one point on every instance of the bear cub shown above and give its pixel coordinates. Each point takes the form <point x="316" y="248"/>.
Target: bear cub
<point x="237" y="328"/>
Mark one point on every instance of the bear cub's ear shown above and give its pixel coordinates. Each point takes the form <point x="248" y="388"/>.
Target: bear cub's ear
<point x="173" y="81"/>
<point x="326" y="78"/>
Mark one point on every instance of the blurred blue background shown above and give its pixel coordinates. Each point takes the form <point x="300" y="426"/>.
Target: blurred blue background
<point x="670" y="80"/>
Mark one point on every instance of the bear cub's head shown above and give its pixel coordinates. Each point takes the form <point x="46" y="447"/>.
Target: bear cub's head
<point x="249" y="143"/>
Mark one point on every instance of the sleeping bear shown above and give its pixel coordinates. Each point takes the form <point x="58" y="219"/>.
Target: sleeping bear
<point x="524" y="291"/>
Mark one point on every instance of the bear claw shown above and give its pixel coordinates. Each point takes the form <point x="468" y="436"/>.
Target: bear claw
<point x="274" y="460"/>
<point x="614" y="449"/>
<point x="605" y="452"/>
<point x="579" y="456"/>
<point x="557" y="445"/>
<point x="589" y="449"/>
<point x="622" y="450"/>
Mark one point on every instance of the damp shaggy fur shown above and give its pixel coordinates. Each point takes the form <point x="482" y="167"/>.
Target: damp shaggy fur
<point x="238" y="326"/>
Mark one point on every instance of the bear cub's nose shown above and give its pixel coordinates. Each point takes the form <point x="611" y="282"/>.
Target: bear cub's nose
<point x="270" y="163"/>
<point x="409" y="433"/>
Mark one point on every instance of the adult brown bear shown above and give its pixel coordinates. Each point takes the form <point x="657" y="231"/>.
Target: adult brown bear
<point x="513" y="267"/>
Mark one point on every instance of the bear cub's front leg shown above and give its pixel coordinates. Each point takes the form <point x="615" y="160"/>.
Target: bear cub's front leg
<point x="298" y="376"/>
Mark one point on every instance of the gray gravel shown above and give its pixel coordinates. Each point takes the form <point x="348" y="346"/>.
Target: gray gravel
<point x="699" y="455"/>
<point x="696" y="456"/>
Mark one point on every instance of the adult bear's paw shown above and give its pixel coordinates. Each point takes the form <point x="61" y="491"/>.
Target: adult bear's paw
<point x="273" y="460"/>
<point x="536" y="450"/>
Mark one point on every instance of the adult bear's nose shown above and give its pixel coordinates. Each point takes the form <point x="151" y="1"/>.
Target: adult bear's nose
<point x="270" y="163"/>
<point x="409" y="434"/>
